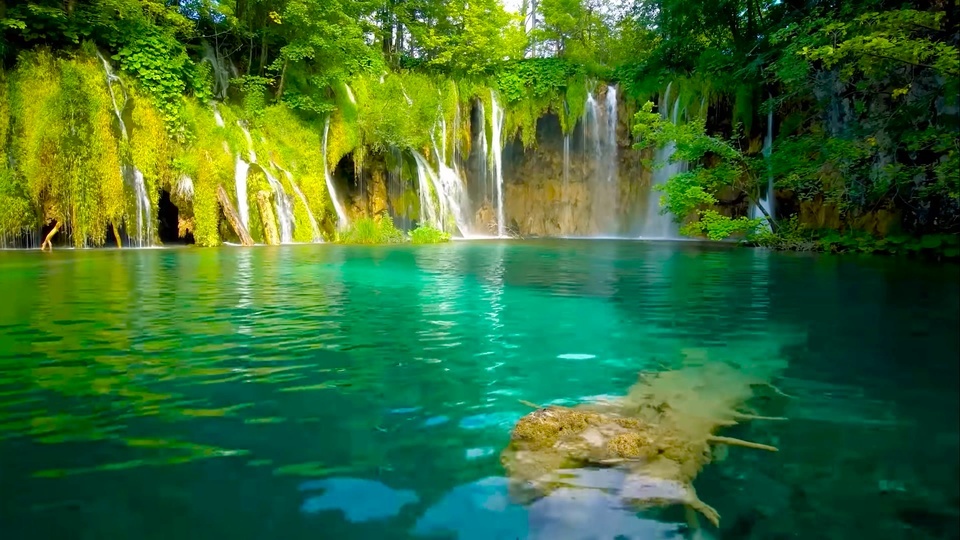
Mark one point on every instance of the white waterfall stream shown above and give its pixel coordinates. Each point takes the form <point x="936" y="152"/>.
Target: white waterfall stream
<point x="240" y="171"/>
<point x="143" y="235"/>
<point x="314" y="229"/>
<point x="342" y="219"/>
<point x="281" y="201"/>
<point x="657" y="225"/>
<point x="428" y="205"/>
<point x="767" y="199"/>
<point x="600" y="154"/>
<point x="496" y="150"/>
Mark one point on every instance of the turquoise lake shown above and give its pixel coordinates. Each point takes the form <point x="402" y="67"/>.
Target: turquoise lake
<point x="323" y="391"/>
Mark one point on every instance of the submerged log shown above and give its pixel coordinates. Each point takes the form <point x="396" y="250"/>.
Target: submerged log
<point x="231" y="213"/>
<point x="268" y="218"/>
<point x="47" y="239"/>
<point x="660" y="436"/>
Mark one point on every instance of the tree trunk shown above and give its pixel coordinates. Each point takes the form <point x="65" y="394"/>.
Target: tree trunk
<point x="116" y="234"/>
<point x="268" y="218"/>
<point x="231" y="213"/>
<point x="263" y="53"/>
<point x="283" y="78"/>
<point x="47" y="239"/>
<point x="770" y="220"/>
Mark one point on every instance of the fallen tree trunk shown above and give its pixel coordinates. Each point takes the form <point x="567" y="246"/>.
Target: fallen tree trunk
<point x="268" y="218"/>
<point x="47" y="239"/>
<point x="231" y="213"/>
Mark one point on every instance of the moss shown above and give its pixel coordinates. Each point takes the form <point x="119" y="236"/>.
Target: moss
<point x="151" y="150"/>
<point x="64" y="145"/>
<point x="543" y="428"/>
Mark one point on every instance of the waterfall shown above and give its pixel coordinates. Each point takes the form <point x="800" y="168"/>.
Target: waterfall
<point x="496" y="149"/>
<point x="144" y="227"/>
<point x="217" y="117"/>
<point x="448" y="184"/>
<point x="600" y="147"/>
<point x="281" y="202"/>
<point x="566" y="161"/>
<point x="767" y="200"/>
<point x="610" y="136"/>
<point x="353" y="100"/>
<point x="657" y="225"/>
<point x="184" y="188"/>
<point x="342" y="220"/>
<point x="313" y="221"/>
<point x="111" y="78"/>
<point x="428" y="206"/>
<point x="221" y="75"/>
<point x="483" y="153"/>
<point x="240" y="171"/>
<point x="141" y="199"/>
<point x="283" y="207"/>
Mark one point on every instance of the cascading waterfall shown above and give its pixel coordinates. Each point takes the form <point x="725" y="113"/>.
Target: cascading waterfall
<point x="221" y="75"/>
<point x="767" y="199"/>
<point x="496" y="150"/>
<point x="314" y="228"/>
<point x="482" y="151"/>
<point x="657" y="225"/>
<point x="284" y="208"/>
<point x="240" y="171"/>
<point x="342" y="220"/>
<point x="566" y="161"/>
<point x="281" y="202"/>
<point x="353" y="100"/>
<point x="428" y="205"/>
<point x="600" y="149"/>
<point x="144" y="231"/>
<point x="217" y="117"/>
<point x="448" y="185"/>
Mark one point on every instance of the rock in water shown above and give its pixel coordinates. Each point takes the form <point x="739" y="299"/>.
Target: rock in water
<point x="659" y="434"/>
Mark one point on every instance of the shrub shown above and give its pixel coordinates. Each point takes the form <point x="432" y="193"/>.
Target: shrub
<point x="428" y="235"/>
<point x="370" y="231"/>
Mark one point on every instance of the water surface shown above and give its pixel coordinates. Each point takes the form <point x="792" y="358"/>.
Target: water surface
<point x="338" y="392"/>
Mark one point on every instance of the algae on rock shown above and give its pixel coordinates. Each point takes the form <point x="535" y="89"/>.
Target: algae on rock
<point x="661" y="434"/>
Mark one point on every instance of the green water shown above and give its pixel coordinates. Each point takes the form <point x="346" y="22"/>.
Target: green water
<point x="338" y="392"/>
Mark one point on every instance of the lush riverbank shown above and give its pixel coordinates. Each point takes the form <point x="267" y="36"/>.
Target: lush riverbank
<point x="831" y="127"/>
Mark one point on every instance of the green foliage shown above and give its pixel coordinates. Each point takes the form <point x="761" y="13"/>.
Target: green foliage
<point x="161" y="64"/>
<point x="792" y="235"/>
<point x="425" y="234"/>
<point x="693" y="192"/>
<point x="718" y="227"/>
<point x="532" y="88"/>
<point x="64" y="148"/>
<point x="467" y="38"/>
<point x="371" y="231"/>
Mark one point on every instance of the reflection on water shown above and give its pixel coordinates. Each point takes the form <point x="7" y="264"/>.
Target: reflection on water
<point x="305" y="391"/>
